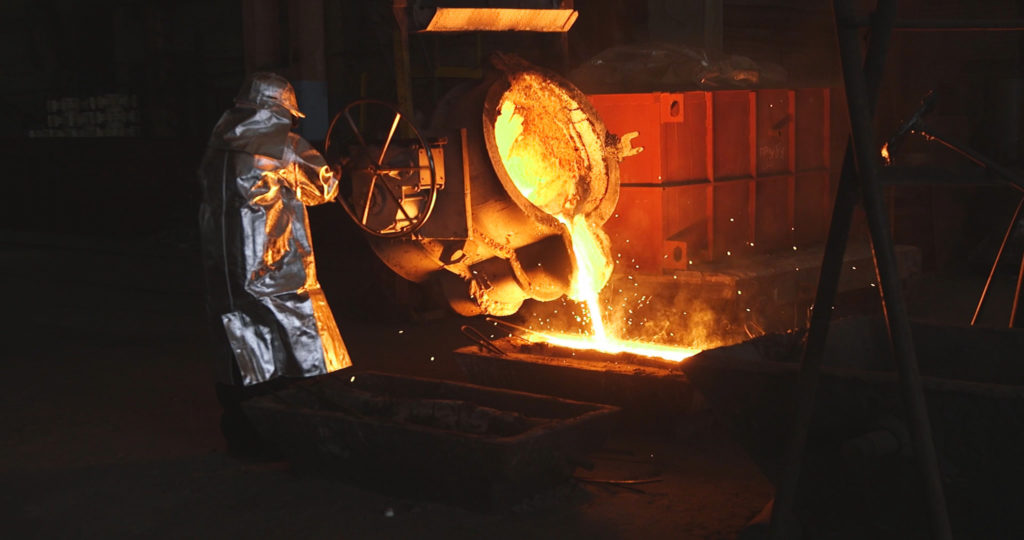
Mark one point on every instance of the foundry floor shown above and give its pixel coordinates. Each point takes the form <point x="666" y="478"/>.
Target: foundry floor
<point x="111" y="425"/>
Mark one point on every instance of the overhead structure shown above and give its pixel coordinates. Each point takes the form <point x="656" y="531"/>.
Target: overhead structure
<point x="452" y="16"/>
<point x="488" y="16"/>
<point x="491" y="19"/>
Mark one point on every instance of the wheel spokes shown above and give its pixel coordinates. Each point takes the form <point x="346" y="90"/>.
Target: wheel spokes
<point x="402" y="169"/>
<point x="387" y="142"/>
<point x="369" y="197"/>
<point x="408" y="184"/>
<point x="398" y="202"/>
<point x="355" y="130"/>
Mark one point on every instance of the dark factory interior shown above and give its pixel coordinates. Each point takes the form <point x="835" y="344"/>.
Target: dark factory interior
<point x="599" y="269"/>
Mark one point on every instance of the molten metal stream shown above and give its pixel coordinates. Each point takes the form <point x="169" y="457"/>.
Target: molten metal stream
<point x="540" y="164"/>
<point x="585" y="288"/>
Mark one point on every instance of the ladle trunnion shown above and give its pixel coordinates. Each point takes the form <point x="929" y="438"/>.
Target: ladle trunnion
<point x="513" y="159"/>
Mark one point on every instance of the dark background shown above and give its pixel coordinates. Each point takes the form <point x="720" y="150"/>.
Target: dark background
<point x="107" y="404"/>
<point x="183" y="62"/>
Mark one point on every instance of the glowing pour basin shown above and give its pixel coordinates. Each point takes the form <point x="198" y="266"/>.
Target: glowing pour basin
<point x="653" y="391"/>
<point x="614" y="346"/>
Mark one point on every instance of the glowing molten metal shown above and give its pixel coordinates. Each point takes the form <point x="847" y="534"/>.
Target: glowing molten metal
<point x="548" y="159"/>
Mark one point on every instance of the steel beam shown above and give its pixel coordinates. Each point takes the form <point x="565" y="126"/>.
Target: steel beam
<point x="861" y="91"/>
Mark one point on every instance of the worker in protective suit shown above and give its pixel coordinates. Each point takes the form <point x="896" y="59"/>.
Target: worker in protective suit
<point x="269" y="311"/>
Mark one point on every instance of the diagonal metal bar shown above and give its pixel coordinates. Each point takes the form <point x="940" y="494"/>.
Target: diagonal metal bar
<point x="1017" y="310"/>
<point x="386" y="170"/>
<point x="1010" y="177"/>
<point x="828" y="285"/>
<point x="369" y="198"/>
<point x="995" y="263"/>
<point x="893" y="303"/>
<point x="397" y="199"/>
<point x="355" y="130"/>
<point x="387" y="142"/>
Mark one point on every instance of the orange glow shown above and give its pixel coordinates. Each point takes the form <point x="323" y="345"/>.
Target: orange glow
<point x="885" y="154"/>
<point x="592" y="272"/>
<point x="592" y="268"/>
<point x="614" y="346"/>
<point x="546" y="161"/>
<point x="450" y="19"/>
<point x="542" y="159"/>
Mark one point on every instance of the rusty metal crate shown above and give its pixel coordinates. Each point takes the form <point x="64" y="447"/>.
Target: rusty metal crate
<point x="723" y="174"/>
<point x="464" y="444"/>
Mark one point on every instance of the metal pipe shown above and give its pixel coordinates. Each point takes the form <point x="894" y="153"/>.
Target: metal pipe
<point x="893" y="304"/>
<point x="995" y="263"/>
<point x="1008" y="175"/>
<point x="1017" y="311"/>
<point x="477" y="337"/>
<point x="952" y="25"/>
<point x="828" y="284"/>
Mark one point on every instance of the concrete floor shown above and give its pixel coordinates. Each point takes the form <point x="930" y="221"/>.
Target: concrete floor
<point x="111" y="425"/>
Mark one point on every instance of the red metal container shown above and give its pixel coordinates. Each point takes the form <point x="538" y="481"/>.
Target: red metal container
<point x="723" y="173"/>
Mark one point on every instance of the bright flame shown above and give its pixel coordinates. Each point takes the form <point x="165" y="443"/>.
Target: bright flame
<point x="885" y="154"/>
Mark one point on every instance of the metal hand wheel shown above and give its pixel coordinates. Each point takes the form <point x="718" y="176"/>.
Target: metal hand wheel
<point x="388" y="180"/>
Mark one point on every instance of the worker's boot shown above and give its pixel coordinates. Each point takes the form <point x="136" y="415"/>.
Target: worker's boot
<point x="243" y="439"/>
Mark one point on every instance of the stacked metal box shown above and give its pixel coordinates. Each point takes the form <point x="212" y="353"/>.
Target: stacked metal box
<point x="723" y="174"/>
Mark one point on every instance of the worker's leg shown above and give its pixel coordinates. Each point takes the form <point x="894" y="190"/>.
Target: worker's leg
<point x="242" y="438"/>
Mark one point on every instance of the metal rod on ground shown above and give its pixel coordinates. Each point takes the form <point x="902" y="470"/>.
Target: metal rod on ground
<point x="480" y="339"/>
<point x="828" y="285"/>
<point x="995" y="263"/>
<point x="893" y="304"/>
<point x="510" y="326"/>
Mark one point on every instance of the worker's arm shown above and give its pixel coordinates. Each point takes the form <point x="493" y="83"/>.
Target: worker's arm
<point x="309" y="174"/>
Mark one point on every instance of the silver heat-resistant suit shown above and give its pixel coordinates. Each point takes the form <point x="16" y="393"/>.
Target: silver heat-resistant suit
<point x="257" y="178"/>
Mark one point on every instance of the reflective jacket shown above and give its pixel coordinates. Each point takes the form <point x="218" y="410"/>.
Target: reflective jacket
<point x="256" y="179"/>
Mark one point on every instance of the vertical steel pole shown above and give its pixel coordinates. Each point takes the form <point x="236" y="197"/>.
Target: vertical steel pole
<point x="828" y="286"/>
<point x="261" y="34"/>
<point x="403" y="73"/>
<point x="893" y="304"/>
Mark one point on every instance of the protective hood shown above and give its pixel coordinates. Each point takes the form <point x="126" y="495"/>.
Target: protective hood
<point x="253" y="131"/>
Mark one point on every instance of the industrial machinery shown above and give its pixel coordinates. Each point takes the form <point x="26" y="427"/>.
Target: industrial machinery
<point x="483" y="199"/>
